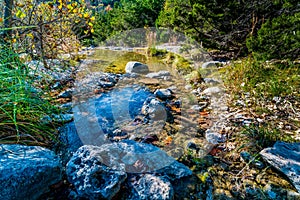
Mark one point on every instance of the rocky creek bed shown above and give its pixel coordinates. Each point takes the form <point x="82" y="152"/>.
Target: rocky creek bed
<point x="147" y="134"/>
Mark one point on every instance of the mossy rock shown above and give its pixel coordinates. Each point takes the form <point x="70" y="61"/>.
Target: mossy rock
<point x="118" y="65"/>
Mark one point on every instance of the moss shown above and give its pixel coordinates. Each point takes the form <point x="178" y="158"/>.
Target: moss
<point x="118" y="66"/>
<point x="182" y="65"/>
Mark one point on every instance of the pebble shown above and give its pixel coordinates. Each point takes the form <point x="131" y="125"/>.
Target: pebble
<point x="212" y="90"/>
<point x="65" y="94"/>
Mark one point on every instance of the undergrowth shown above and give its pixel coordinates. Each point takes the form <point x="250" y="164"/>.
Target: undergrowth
<point x="263" y="79"/>
<point x="257" y="83"/>
<point x="21" y="105"/>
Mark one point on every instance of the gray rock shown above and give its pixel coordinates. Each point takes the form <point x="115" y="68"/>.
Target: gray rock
<point x="214" y="138"/>
<point x="56" y="85"/>
<point x="65" y="94"/>
<point x="131" y="75"/>
<point x="106" y="84"/>
<point x="163" y="94"/>
<point x="67" y="107"/>
<point x="148" y="186"/>
<point x="69" y="141"/>
<point x="63" y="118"/>
<point x="211" y="64"/>
<point x="246" y="156"/>
<point x="90" y="177"/>
<point x="99" y="171"/>
<point x="286" y="158"/>
<point x="159" y="75"/>
<point x="199" y="107"/>
<point x="212" y="91"/>
<point x="136" y="67"/>
<point x="211" y="81"/>
<point x="155" y="110"/>
<point x="188" y="87"/>
<point x="26" y="172"/>
<point x="175" y="171"/>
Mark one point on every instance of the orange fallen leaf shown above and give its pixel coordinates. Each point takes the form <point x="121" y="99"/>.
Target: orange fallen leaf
<point x="168" y="140"/>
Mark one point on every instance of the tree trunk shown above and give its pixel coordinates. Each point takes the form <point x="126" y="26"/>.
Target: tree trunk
<point x="8" y="16"/>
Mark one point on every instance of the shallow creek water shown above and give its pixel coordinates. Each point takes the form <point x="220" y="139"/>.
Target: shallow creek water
<point x="115" y="113"/>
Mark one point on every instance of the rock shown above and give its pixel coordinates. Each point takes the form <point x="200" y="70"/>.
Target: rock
<point x="155" y="110"/>
<point x="106" y="84"/>
<point x="149" y="81"/>
<point x="246" y="156"/>
<point x="163" y="94"/>
<point x="131" y="75"/>
<point x="199" y="107"/>
<point x="148" y="186"/>
<point x="286" y="158"/>
<point x="69" y="141"/>
<point x="65" y="94"/>
<point x="56" y="85"/>
<point x="270" y="192"/>
<point x="26" y="172"/>
<point x="136" y="67"/>
<point x="188" y="87"/>
<point x="90" y="177"/>
<point x="175" y="171"/>
<point x="63" y="118"/>
<point x="211" y="64"/>
<point x="212" y="91"/>
<point x="99" y="171"/>
<point x="211" y="81"/>
<point x="159" y="75"/>
<point x="67" y="107"/>
<point x="214" y="138"/>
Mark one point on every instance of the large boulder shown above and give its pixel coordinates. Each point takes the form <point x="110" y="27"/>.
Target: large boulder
<point x="136" y="67"/>
<point x="99" y="171"/>
<point x="90" y="177"/>
<point x="286" y="158"/>
<point x="26" y="172"/>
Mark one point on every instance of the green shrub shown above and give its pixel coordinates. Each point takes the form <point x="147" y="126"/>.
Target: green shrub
<point x="278" y="38"/>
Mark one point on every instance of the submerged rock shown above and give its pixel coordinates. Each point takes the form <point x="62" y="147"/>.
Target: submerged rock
<point x="136" y="67"/>
<point x="26" y="172"/>
<point x="155" y="110"/>
<point x="163" y="94"/>
<point x="159" y="75"/>
<point x="286" y="158"/>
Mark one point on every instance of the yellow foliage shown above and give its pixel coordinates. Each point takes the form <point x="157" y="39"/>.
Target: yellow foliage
<point x="54" y="22"/>
<point x="20" y="14"/>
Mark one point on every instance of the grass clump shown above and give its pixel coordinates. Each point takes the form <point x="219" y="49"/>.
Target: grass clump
<point x="263" y="79"/>
<point x="21" y="105"/>
<point x="265" y="136"/>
